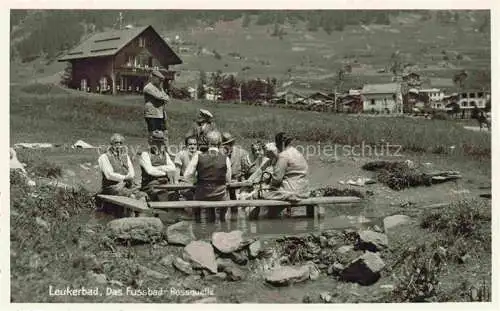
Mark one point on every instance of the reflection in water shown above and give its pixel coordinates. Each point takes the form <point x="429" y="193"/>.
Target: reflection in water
<point x="336" y="217"/>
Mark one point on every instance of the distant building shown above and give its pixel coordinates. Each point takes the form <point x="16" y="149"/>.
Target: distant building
<point x="382" y="98"/>
<point x="468" y="99"/>
<point x="120" y="60"/>
<point x="319" y="98"/>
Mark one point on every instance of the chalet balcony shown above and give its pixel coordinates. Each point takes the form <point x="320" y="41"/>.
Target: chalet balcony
<point x="144" y="70"/>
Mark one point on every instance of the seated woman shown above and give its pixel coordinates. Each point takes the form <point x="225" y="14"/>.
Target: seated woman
<point x="256" y="158"/>
<point x="288" y="177"/>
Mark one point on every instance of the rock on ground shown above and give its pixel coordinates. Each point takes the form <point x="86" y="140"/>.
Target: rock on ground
<point x="227" y="242"/>
<point x="395" y="220"/>
<point x="97" y="278"/>
<point x="143" y="229"/>
<point x="372" y="241"/>
<point x="286" y="275"/>
<point x="201" y="253"/>
<point x="180" y="233"/>
<point x="254" y="249"/>
<point x="182" y="266"/>
<point x="365" y="270"/>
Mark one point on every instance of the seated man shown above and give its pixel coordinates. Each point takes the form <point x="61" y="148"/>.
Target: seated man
<point x="212" y="170"/>
<point x="183" y="157"/>
<point x="157" y="167"/>
<point x="240" y="164"/>
<point x="117" y="170"/>
<point x="182" y="160"/>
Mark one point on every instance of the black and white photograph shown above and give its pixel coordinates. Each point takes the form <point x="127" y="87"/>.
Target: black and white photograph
<point x="244" y="156"/>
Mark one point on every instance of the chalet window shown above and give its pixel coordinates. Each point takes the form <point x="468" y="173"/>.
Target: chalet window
<point x="83" y="84"/>
<point x="472" y="95"/>
<point x="372" y="102"/>
<point x="142" y="42"/>
<point x="464" y="95"/>
<point x="104" y="83"/>
<point x="480" y="95"/>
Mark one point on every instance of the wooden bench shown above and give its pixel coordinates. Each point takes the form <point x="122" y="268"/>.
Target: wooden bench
<point x="153" y="208"/>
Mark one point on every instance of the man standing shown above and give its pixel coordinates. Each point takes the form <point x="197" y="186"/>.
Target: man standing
<point x="157" y="167"/>
<point x="240" y="165"/>
<point x="117" y="170"/>
<point x="155" y="99"/>
<point x="213" y="172"/>
<point x="204" y="124"/>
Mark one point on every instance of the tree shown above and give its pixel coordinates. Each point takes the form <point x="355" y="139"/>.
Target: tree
<point x="459" y="79"/>
<point x="67" y="76"/>
<point x="201" y="85"/>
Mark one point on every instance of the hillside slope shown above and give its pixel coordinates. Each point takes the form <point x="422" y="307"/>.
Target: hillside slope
<point x="307" y="47"/>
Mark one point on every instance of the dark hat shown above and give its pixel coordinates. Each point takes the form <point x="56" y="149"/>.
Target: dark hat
<point x="157" y="135"/>
<point x="227" y="138"/>
<point x="158" y="74"/>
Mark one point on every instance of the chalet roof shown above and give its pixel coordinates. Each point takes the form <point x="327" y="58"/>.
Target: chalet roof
<point x="109" y="43"/>
<point x="387" y="88"/>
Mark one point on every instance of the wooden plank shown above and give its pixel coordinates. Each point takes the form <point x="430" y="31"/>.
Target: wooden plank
<point x="183" y="186"/>
<point x="132" y="204"/>
<point x="247" y="203"/>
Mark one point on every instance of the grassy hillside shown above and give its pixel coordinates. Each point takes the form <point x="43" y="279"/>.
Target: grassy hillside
<point x="290" y="48"/>
<point x="62" y="116"/>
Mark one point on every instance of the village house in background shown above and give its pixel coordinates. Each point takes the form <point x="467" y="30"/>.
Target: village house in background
<point x="120" y="60"/>
<point x="382" y="98"/>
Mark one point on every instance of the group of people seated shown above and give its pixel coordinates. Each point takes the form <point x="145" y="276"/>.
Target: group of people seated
<point x="209" y="160"/>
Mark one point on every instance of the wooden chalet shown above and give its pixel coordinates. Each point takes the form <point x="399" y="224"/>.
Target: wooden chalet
<point x="120" y="60"/>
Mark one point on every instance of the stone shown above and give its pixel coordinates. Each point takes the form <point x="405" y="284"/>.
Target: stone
<point x="201" y="253"/>
<point x="335" y="269"/>
<point x="218" y="276"/>
<point x="227" y="243"/>
<point x="141" y="229"/>
<point x="182" y="266"/>
<point x="326" y="297"/>
<point x="345" y="249"/>
<point x="332" y="242"/>
<point x="152" y="273"/>
<point x="239" y="257"/>
<point x="207" y="300"/>
<point x="286" y="275"/>
<point x="223" y="263"/>
<point x="254" y="249"/>
<point x="97" y="278"/>
<point x="42" y="223"/>
<point x="234" y="273"/>
<point x="395" y="220"/>
<point x="372" y="241"/>
<point x="167" y="260"/>
<point x="463" y="259"/>
<point x="323" y="241"/>
<point x="307" y="299"/>
<point x="376" y="228"/>
<point x="314" y="272"/>
<point x="364" y="270"/>
<point x="180" y="233"/>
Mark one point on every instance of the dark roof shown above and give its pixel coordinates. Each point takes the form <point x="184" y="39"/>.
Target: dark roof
<point x="109" y="43"/>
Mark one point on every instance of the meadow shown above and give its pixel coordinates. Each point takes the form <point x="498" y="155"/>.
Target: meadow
<point x="64" y="116"/>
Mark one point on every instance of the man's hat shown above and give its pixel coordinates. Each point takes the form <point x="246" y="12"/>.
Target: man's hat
<point x="205" y="115"/>
<point x="158" y="74"/>
<point x="157" y="135"/>
<point x="227" y="138"/>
